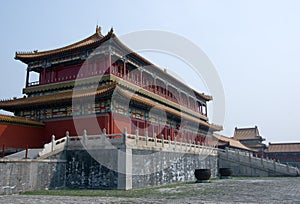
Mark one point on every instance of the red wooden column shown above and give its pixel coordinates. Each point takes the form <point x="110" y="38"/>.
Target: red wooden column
<point x="124" y="68"/>
<point x="154" y="83"/>
<point x="27" y="77"/>
<point x="200" y="108"/>
<point x="43" y="81"/>
<point x="111" y="121"/>
<point x="141" y="76"/>
<point x="52" y="75"/>
<point x="166" y="94"/>
<point x="109" y="61"/>
<point x="194" y="104"/>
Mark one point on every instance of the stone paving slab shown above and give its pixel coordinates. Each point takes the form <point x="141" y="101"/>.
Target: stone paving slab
<point x="237" y="190"/>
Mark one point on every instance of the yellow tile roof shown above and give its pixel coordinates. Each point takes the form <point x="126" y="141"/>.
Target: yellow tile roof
<point x="284" y="147"/>
<point x="232" y="142"/>
<point x="246" y="133"/>
<point x="68" y="95"/>
<point x="149" y="102"/>
<point x="19" y="120"/>
<point x="56" y="97"/>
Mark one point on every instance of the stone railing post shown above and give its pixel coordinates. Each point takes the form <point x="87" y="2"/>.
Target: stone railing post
<point x="169" y="140"/>
<point x="146" y="135"/>
<point x="187" y="144"/>
<point x="162" y="141"/>
<point x="181" y="142"/>
<point x="124" y="135"/>
<point x="52" y="143"/>
<point x="68" y="138"/>
<point x="175" y="142"/>
<point x="155" y="139"/>
<point x="84" y="137"/>
<point x="136" y="136"/>
<point x="103" y="136"/>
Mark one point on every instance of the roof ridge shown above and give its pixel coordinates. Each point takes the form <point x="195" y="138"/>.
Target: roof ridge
<point x="245" y="128"/>
<point x="284" y="143"/>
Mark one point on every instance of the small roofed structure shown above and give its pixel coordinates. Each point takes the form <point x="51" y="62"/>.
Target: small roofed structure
<point x="287" y="153"/>
<point x="229" y="142"/>
<point x="251" y="138"/>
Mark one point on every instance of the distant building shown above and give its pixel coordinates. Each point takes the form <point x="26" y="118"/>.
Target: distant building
<point x="287" y="153"/>
<point x="229" y="142"/>
<point x="251" y="138"/>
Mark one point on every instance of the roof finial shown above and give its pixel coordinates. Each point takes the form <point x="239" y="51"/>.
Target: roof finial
<point x="111" y="31"/>
<point x="98" y="30"/>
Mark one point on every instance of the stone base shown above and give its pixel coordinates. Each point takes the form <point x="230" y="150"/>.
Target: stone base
<point x="202" y="181"/>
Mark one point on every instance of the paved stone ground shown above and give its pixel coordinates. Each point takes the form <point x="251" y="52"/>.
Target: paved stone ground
<point x="236" y="190"/>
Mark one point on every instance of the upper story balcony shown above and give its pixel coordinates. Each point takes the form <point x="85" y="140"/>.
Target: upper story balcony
<point x="146" y="78"/>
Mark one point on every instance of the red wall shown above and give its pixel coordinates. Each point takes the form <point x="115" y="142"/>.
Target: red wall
<point x="120" y="122"/>
<point x="59" y="127"/>
<point x="19" y="136"/>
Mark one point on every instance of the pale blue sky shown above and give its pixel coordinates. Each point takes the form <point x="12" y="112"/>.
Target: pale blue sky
<point x="253" y="44"/>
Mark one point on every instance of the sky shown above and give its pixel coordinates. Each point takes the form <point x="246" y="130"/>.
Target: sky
<point x="253" y="44"/>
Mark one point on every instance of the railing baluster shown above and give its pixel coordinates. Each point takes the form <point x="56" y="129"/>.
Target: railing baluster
<point x="175" y="142"/>
<point x="136" y="136"/>
<point x="103" y="136"/>
<point x="125" y="135"/>
<point x="146" y="134"/>
<point x="84" y="137"/>
<point x="52" y="143"/>
<point x="181" y="142"/>
<point x="68" y="138"/>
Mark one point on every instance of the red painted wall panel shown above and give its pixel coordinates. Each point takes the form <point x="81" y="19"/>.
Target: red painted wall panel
<point x="120" y="122"/>
<point x="59" y="127"/>
<point x="61" y="74"/>
<point x="18" y="136"/>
